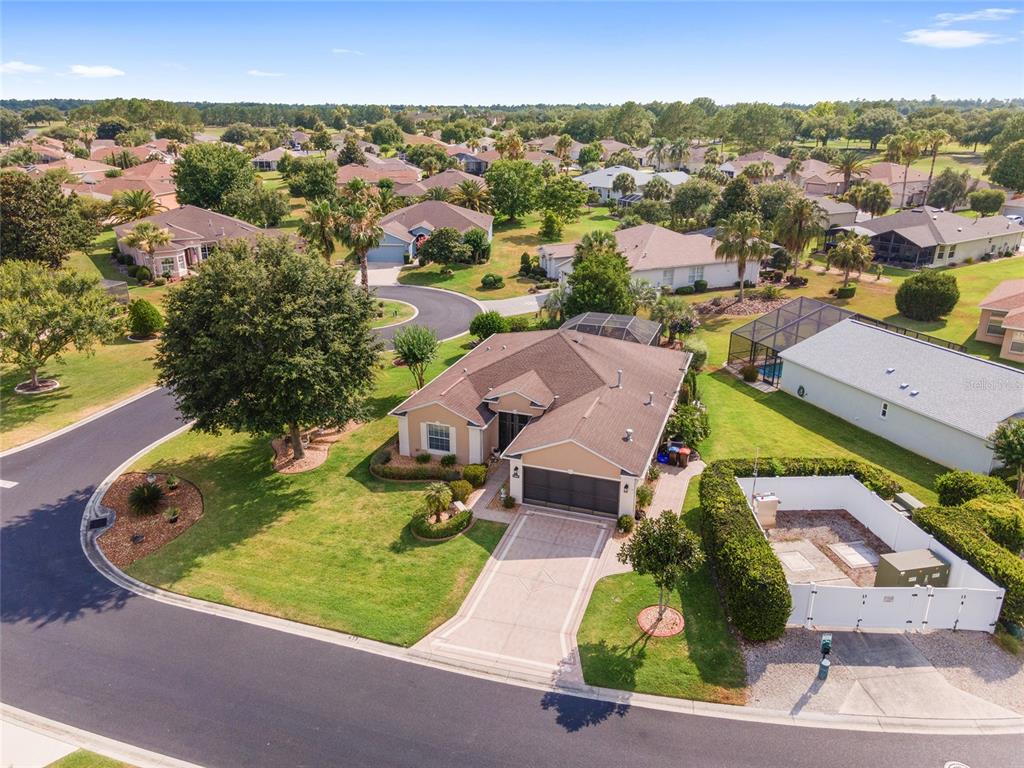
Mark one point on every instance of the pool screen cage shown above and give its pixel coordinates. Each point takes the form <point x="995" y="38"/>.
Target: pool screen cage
<point x="760" y="341"/>
<point x="627" y="327"/>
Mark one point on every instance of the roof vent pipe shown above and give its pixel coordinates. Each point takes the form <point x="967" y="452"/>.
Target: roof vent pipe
<point x="889" y="370"/>
<point x="629" y="435"/>
<point x="650" y="398"/>
<point x="619" y="382"/>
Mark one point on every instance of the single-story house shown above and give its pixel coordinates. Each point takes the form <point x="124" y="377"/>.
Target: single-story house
<point x="414" y="139"/>
<point x="267" y="161"/>
<point x="195" y="232"/>
<point x="481" y="161"/>
<point x="837" y="213"/>
<point x="733" y="168"/>
<point x="376" y="169"/>
<point x="154" y="150"/>
<point x="659" y="256"/>
<point x="151" y="171"/>
<point x="406" y="228"/>
<point x="892" y="174"/>
<point x="602" y="180"/>
<point x="930" y="237"/>
<point x="163" y="191"/>
<point x="448" y="179"/>
<point x="85" y="170"/>
<point x="298" y="138"/>
<point x="548" y="144"/>
<point x="1002" y="319"/>
<point x="611" y="146"/>
<point x="579" y="417"/>
<point x="42" y="151"/>
<point x="818" y="178"/>
<point x="937" y="402"/>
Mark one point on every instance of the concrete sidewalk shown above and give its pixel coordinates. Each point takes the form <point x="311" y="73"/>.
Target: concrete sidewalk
<point x="518" y="305"/>
<point x="21" y="747"/>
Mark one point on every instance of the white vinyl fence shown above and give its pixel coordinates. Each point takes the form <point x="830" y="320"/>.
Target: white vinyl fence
<point x="970" y="601"/>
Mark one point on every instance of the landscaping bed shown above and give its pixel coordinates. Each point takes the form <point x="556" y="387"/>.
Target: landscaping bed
<point x="320" y="442"/>
<point x="119" y="543"/>
<point x="751" y="305"/>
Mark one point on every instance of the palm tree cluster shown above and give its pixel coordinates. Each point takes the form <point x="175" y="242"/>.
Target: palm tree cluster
<point x="353" y="219"/>
<point x="852" y="253"/>
<point x="132" y="205"/>
<point x="472" y="195"/>
<point x="742" y="239"/>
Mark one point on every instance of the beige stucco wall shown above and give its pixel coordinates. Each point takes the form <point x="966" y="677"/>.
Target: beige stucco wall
<point x="1008" y="338"/>
<point x="982" y="334"/>
<point x="437" y="414"/>
<point x="490" y="439"/>
<point x="975" y="249"/>
<point x="569" y="456"/>
<point x="515" y="403"/>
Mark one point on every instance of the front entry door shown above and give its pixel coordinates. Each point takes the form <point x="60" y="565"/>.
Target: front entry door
<point x="510" y="425"/>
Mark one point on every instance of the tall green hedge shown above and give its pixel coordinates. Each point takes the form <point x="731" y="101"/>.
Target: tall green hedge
<point x="749" y="573"/>
<point x="961" y="531"/>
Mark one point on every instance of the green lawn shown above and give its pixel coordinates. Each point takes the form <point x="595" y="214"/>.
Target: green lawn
<point x="82" y="758"/>
<point x="510" y="242"/>
<point x="328" y="547"/>
<point x="951" y="155"/>
<point x="393" y="312"/>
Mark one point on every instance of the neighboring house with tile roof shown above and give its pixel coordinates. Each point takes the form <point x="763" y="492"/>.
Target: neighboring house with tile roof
<point x="892" y="175"/>
<point x="818" y="178"/>
<point x="479" y="163"/>
<point x="267" y="161"/>
<point x="154" y="150"/>
<point x="407" y="228"/>
<point x="548" y="144"/>
<point x="85" y="170"/>
<point x="195" y="232"/>
<point x="930" y="237"/>
<point x="42" y="151"/>
<point x="1002" y="319"/>
<point x="579" y="417"/>
<point x="658" y="256"/>
<point x="154" y="170"/>
<point x="415" y="139"/>
<point x="164" y="192"/>
<point x="602" y="180"/>
<point x="376" y="169"/>
<point x="733" y="168"/>
<point x="936" y="402"/>
<point x="448" y="179"/>
<point x="837" y="213"/>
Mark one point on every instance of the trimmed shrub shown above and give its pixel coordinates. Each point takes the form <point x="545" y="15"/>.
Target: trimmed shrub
<point x="448" y="460"/>
<point x="750" y="372"/>
<point x="422" y="526"/>
<point x="770" y="293"/>
<point x="872" y="477"/>
<point x="417" y="472"/>
<point x="143" y="275"/>
<point x="159" y="281"/>
<point x="145" y="497"/>
<point x="749" y="573"/>
<point x="491" y="280"/>
<point x="423" y="458"/>
<point x="653" y="473"/>
<point x="959" y="486"/>
<point x="796" y="281"/>
<point x="1001" y="517"/>
<point x="927" y="295"/>
<point x="383" y="456"/>
<point x="475" y="474"/>
<point x="171" y="481"/>
<point x="961" y="533"/>
<point x="460" y="490"/>
<point x="132" y="270"/>
<point x="508" y="502"/>
<point x="846" y="292"/>
<point x="684" y="290"/>
<point x="144" y="319"/>
<point x="644" y="496"/>
<point x="625" y="523"/>
<point x="518" y="324"/>
<point x="700" y="285"/>
<point x="699" y="349"/>
<point x="488" y="323"/>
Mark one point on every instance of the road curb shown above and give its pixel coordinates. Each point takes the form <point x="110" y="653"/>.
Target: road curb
<point x="494" y="673"/>
<point x="81" y="739"/>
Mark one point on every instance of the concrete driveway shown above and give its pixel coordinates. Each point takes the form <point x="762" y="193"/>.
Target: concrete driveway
<point x="523" y="612"/>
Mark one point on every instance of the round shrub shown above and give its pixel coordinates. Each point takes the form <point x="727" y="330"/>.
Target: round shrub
<point x="474" y="474"/>
<point x="508" y="502"/>
<point x="700" y="285"/>
<point x="487" y="324"/>
<point x="750" y="372"/>
<point x="644" y="496"/>
<point x="959" y="486"/>
<point x="927" y="296"/>
<point x="846" y="291"/>
<point x="143" y="275"/>
<point x="448" y="460"/>
<point x="684" y="290"/>
<point x="132" y="270"/>
<point x="699" y="349"/>
<point x="383" y="456"/>
<point x="423" y="458"/>
<point x="625" y="523"/>
<point x="145" y="497"/>
<point x="158" y="281"/>
<point x="518" y="324"/>
<point x="144" y="319"/>
<point x="491" y="280"/>
<point x="653" y="473"/>
<point x="460" y="490"/>
<point x="423" y="527"/>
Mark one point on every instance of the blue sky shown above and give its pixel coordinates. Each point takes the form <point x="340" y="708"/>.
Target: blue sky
<point x="498" y="53"/>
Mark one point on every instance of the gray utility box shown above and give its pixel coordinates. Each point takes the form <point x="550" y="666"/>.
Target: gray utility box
<point x="913" y="568"/>
<point x="765" y="507"/>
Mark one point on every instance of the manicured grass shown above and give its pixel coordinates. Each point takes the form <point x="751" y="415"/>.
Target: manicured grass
<point x="393" y="312"/>
<point x="328" y="547"/>
<point x="703" y="662"/>
<point x="510" y="242"/>
<point x="84" y="759"/>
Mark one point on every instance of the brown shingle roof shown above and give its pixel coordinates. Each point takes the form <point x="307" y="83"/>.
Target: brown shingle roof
<point x="580" y="372"/>
<point x="436" y="213"/>
<point x="448" y="179"/>
<point x="190" y="223"/>
<point x="649" y="246"/>
<point x="377" y="169"/>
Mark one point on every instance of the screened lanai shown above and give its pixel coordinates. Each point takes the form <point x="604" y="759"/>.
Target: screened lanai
<point x="626" y="327"/>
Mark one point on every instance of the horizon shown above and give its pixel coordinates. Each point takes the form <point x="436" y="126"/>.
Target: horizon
<point x="511" y="54"/>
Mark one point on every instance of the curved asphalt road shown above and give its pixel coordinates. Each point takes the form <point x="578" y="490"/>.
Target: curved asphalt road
<point x="78" y="649"/>
<point x="449" y="314"/>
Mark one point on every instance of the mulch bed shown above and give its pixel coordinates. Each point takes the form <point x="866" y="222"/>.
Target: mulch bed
<point x="316" y="451"/>
<point x="116" y="542"/>
<point x="399" y="460"/>
<point x="751" y="305"/>
<point x="671" y="622"/>
<point x="45" y="385"/>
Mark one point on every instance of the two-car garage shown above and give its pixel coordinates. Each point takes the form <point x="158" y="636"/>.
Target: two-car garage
<point x="564" y="490"/>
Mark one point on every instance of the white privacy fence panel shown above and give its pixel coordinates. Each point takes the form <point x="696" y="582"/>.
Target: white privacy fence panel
<point x="970" y="601"/>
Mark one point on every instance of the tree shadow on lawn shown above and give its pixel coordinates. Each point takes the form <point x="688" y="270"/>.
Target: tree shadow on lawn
<point x="857" y="441"/>
<point x="921" y="326"/>
<point x="19" y="410"/>
<point x="242" y="496"/>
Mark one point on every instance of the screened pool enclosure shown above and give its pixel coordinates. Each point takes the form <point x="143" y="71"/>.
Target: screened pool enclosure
<point x="625" y="327"/>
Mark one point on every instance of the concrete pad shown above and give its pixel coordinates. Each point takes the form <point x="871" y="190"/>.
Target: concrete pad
<point x="855" y="554"/>
<point x="814" y="564"/>
<point x="524" y="609"/>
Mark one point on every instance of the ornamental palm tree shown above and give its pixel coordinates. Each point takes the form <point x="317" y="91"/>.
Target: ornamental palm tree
<point x="388" y="201"/>
<point x="643" y="294"/>
<point x="147" y="237"/>
<point x="799" y="224"/>
<point x="472" y="195"/>
<point x="852" y="252"/>
<point x="356" y="189"/>
<point x="595" y="242"/>
<point x="875" y="198"/>
<point x="793" y="168"/>
<point x="671" y="312"/>
<point x="658" y="152"/>
<point x="554" y="302"/>
<point x="320" y="226"/>
<point x="679" y="152"/>
<point x="510" y="146"/>
<point x="907" y="147"/>
<point x="849" y="164"/>
<point x="132" y="205"/>
<point x="624" y="184"/>
<point x="563" y="148"/>
<point x="359" y="229"/>
<point x="740" y="239"/>
<point x="473" y="145"/>
<point x="933" y="141"/>
<point x="436" y="499"/>
<point x="437" y="193"/>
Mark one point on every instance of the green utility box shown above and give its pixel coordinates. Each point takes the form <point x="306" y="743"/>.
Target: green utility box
<point x="913" y="568"/>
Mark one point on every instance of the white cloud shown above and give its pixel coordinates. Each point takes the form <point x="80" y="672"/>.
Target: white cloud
<point x="952" y="38"/>
<point x="985" y="14"/>
<point x="18" y="68"/>
<point x="346" y="51"/>
<point x="95" y="70"/>
<point x="261" y="73"/>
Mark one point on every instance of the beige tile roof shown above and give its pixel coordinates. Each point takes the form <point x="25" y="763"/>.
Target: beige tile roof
<point x="891" y="173"/>
<point x="649" y="246"/>
<point x="153" y="170"/>
<point x="581" y="373"/>
<point x="448" y="179"/>
<point x="1008" y="296"/>
<point x="377" y="169"/>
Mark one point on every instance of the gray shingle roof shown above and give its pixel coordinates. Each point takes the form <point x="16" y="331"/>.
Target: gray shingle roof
<point x="927" y="226"/>
<point x="963" y="391"/>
